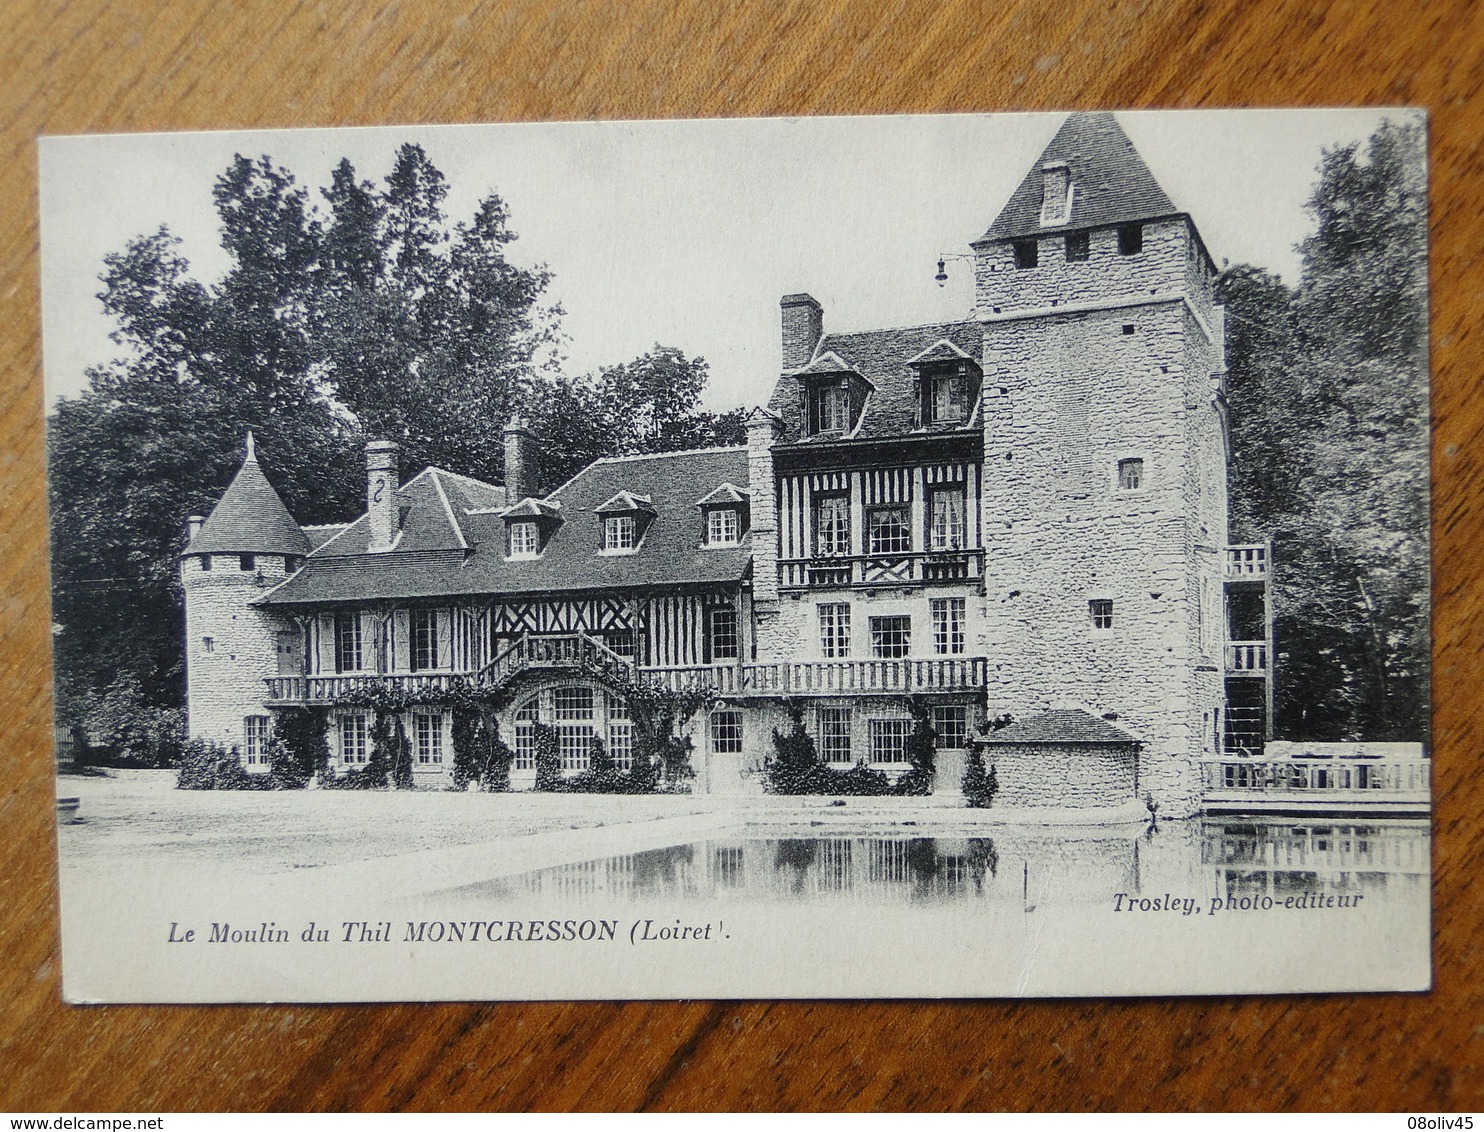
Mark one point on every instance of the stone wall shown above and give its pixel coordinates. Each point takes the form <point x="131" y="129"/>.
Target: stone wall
<point x="230" y="647"/>
<point x="1067" y="775"/>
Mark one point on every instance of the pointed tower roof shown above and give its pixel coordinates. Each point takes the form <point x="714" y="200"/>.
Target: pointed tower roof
<point x="1110" y="182"/>
<point x="250" y="518"/>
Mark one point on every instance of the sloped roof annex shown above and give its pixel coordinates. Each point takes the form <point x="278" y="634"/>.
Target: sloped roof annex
<point x="250" y="518"/>
<point x="1063" y="725"/>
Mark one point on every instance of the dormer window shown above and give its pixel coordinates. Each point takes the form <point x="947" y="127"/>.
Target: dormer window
<point x="948" y="384"/>
<point x="831" y="407"/>
<point x="1056" y="194"/>
<point x="525" y="539"/>
<point x="947" y="402"/>
<point x="723" y="527"/>
<point x="619" y="533"/>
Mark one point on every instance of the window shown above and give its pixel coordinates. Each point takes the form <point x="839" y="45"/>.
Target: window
<point x="1128" y="328"/>
<point x="834" y="629"/>
<point x="429" y="731"/>
<point x="209" y="644"/>
<point x="951" y="722"/>
<point x="246" y="562"/>
<point x="946" y="519"/>
<point x="723" y="527"/>
<point x="947" y="402"/>
<point x="1130" y="474"/>
<point x="832" y="526"/>
<point x="618" y="532"/>
<point x="424" y="639"/>
<point x="205" y="562"/>
<point x="573" y="703"/>
<point x="526" y="718"/>
<point x="831" y="407"/>
<point x="726" y="732"/>
<point x="1130" y="239"/>
<point x="620" y="734"/>
<point x="891" y="637"/>
<point x="348" y="642"/>
<point x="1100" y="610"/>
<point x="291" y="563"/>
<point x="1027" y="254"/>
<point x="574" y="745"/>
<point x="1079" y="246"/>
<point x="525" y="540"/>
<point x="948" y="625"/>
<point x="620" y="641"/>
<point x="889" y="740"/>
<point x="834" y="734"/>
<point x="353" y="739"/>
<point x="889" y="530"/>
<point x="723" y="625"/>
<point x="255" y="746"/>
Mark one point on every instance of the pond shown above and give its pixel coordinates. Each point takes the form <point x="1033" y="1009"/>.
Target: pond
<point x="1227" y="858"/>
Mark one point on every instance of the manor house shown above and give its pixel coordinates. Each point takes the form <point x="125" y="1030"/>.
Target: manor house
<point x="1020" y="516"/>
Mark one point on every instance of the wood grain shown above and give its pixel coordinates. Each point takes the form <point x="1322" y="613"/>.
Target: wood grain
<point x="152" y="65"/>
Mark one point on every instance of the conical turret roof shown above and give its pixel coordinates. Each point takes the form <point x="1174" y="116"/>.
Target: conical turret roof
<point x="1111" y="183"/>
<point x="250" y="518"/>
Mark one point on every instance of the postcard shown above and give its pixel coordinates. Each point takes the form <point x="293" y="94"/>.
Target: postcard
<point x="975" y="555"/>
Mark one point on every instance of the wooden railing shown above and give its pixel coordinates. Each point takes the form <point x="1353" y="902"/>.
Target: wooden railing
<point x="1319" y="776"/>
<point x="825" y="677"/>
<point x="1247" y="563"/>
<point x="1246" y="658"/>
<point x="724" y="678"/>
<point x="563" y="651"/>
<point x="881" y="569"/>
<point x="333" y="689"/>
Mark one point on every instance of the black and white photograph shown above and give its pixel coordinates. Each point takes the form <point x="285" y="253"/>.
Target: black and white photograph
<point x="929" y="556"/>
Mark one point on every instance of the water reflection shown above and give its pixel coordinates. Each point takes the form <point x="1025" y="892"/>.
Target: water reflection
<point x="1215" y="857"/>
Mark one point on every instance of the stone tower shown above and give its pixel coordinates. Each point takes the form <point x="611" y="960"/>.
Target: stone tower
<point x="1104" y="498"/>
<point x="248" y="544"/>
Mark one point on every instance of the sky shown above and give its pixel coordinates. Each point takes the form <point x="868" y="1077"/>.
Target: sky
<point x="688" y="233"/>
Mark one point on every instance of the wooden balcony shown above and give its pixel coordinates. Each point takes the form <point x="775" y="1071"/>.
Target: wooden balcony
<point x="1246" y="658"/>
<point x="852" y="677"/>
<point x="286" y="691"/>
<point x="912" y="568"/>
<point x="1247" y="563"/>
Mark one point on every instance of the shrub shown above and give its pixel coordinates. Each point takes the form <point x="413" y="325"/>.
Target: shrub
<point x="302" y="734"/>
<point x="548" y="758"/>
<point x="979" y="785"/>
<point x="205" y="765"/>
<point x="479" y="754"/>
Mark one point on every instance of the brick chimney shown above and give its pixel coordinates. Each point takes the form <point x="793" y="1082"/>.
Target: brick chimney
<point x="803" y="326"/>
<point x="381" y="493"/>
<point x="762" y="432"/>
<point x="522" y="475"/>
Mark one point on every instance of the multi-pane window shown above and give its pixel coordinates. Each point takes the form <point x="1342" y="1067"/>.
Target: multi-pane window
<point x="1130" y="474"/>
<point x="620" y="641"/>
<point x="620" y="734"/>
<point x="951" y="722"/>
<point x="946" y="519"/>
<point x="619" y="532"/>
<point x="948" y="625"/>
<point x="347" y="642"/>
<point x="255" y="745"/>
<point x="889" y="740"/>
<point x="1100" y="611"/>
<point x="424" y="639"/>
<point x="723" y="527"/>
<point x="723" y="627"/>
<point x="428" y="731"/>
<point x="891" y="636"/>
<point x="947" y="402"/>
<point x="574" y="715"/>
<point x="831" y="407"/>
<point x="353" y="739"/>
<point x="525" y="540"/>
<point x="726" y="731"/>
<point x="1079" y="246"/>
<point x="834" y="734"/>
<point x="832" y="525"/>
<point x="834" y="629"/>
<point x="526" y="718"/>
<point x="889" y="530"/>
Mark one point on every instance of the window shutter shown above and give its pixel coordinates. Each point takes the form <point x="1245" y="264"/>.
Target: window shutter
<point x="401" y="640"/>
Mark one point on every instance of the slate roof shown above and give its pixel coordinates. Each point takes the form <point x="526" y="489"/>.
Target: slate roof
<point x="881" y="357"/>
<point x="1071" y="725"/>
<point x="249" y="518"/>
<point x="1112" y="185"/>
<point x="428" y="561"/>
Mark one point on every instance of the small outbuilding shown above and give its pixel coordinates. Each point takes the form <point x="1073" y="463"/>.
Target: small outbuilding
<point x="1067" y="758"/>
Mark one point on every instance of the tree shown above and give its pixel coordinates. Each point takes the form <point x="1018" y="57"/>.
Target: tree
<point x="1328" y="392"/>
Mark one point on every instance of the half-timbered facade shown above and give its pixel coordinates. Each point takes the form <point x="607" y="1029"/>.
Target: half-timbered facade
<point x="1022" y="514"/>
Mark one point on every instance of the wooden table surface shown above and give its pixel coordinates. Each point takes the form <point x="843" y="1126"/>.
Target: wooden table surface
<point x="92" y="66"/>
